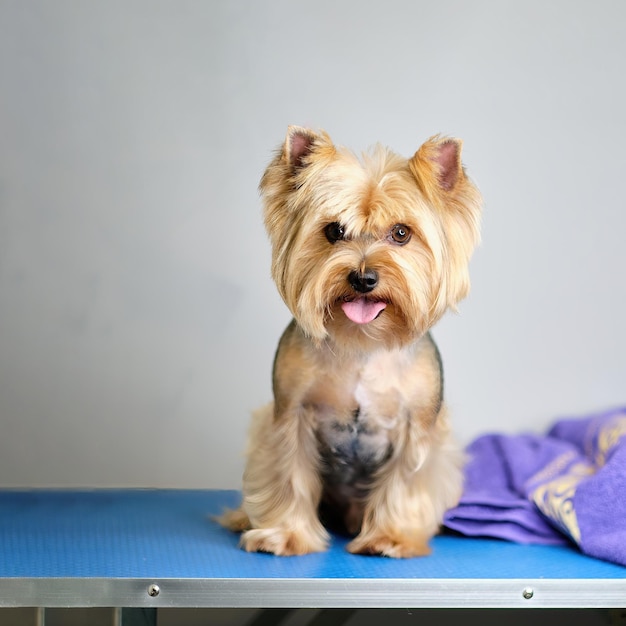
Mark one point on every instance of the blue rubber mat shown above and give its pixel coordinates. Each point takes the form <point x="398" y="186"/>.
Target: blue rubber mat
<point x="169" y="534"/>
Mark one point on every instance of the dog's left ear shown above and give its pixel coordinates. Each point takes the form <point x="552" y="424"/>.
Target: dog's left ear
<point x="437" y="165"/>
<point x="440" y="176"/>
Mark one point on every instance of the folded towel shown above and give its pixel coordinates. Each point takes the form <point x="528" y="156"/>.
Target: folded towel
<point x="566" y="486"/>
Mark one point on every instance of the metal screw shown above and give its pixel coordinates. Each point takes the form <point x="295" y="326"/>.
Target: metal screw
<point x="154" y="590"/>
<point x="528" y="593"/>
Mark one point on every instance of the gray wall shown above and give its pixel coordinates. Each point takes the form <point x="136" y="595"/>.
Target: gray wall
<point x="137" y="317"/>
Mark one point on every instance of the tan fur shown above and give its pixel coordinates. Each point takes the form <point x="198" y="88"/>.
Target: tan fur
<point x="363" y="392"/>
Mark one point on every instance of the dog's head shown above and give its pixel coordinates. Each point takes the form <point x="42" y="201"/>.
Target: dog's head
<point x="369" y="251"/>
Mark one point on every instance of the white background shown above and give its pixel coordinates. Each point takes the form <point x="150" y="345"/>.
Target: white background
<point x="137" y="317"/>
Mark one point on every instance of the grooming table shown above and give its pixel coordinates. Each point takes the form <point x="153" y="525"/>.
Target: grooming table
<point x="155" y="549"/>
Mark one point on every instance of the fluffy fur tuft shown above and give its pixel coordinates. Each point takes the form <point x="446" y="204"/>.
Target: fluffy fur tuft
<point x="367" y="254"/>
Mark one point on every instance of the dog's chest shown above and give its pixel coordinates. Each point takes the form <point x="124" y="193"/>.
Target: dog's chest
<point x="360" y="411"/>
<point x="352" y="451"/>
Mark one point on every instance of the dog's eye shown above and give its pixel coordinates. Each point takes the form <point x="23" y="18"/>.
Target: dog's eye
<point x="400" y="234"/>
<point x="334" y="232"/>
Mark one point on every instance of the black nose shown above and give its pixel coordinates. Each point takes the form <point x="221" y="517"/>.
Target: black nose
<point x="363" y="282"/>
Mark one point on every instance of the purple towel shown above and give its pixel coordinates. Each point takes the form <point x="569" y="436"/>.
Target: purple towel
<point x="569" y="485"/>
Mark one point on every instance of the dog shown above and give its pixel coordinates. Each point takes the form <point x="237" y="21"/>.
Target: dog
<point x="367" y="253"/>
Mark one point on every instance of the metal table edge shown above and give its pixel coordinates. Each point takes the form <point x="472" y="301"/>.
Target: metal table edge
<point x="312" y="593"/>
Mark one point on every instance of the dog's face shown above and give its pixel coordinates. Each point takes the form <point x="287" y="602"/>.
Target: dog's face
<point x="373" y="251"/>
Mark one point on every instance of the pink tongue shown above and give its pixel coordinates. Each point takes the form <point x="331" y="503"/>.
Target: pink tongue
<point x="362" y="311"/>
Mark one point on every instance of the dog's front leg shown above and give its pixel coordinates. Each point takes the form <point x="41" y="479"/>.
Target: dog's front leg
<point x="281" y="486"/>
<point x="411" y="494"/>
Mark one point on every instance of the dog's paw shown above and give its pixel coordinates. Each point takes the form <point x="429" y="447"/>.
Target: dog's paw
<point x="396" y="546"/>
<point x="235" y="520"/>
<point x="282" y="542"/>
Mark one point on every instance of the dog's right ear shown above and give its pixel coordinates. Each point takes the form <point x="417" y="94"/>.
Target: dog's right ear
<point x="298" y="145"/>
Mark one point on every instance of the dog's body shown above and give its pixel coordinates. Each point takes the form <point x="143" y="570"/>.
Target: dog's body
<point x="368" y="256"/>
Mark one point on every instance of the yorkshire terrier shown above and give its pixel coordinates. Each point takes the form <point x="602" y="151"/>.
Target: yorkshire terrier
<point x="367" y="254"/>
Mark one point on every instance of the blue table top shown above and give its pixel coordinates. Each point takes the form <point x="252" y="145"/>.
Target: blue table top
<point x="170" y="534"/>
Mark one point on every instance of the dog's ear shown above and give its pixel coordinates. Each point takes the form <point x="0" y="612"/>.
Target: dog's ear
<point x="437" y="165"/>
<point x="440" y="176"/>
<point x="448" y="158"/>
<point x="298" y="145"/>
